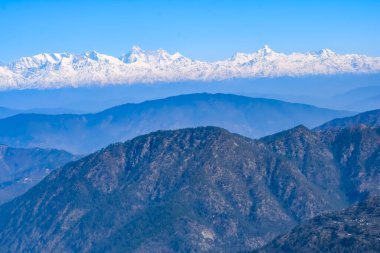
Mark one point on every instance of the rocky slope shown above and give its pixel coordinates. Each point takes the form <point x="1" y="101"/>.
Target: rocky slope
<point x="21" y="169"/>
<point x="253" y="117"/>
<point x="58" y="70"/>
<point x="356" y="229"/>
<point x="344" y="162"/>
<point x="192" y="190"/>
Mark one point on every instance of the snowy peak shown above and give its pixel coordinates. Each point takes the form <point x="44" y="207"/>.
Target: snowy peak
<point x="261" y="54"/>
<point x="266" y="50"/>
<point x="143" y="66"/>
<point x="326" y="53"/>
<point x="37" y="61"/>
<point x="93" y="55"/>
<point x="59" y="61"/>
<point x="139" y="56"/>
<point x="96" y="57"/>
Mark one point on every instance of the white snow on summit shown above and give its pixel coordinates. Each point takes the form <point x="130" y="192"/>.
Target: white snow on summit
<point x="139" y="66"/>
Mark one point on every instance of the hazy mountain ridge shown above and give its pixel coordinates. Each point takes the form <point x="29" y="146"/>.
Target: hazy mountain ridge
<point x="58" y="70"/>
<point x="201" y="189"/>
<point x="7" y="112"/>
<point x="326" y="91"/>
<point x="361" y="99"/>
<point x="369" y="118"/>
<point x="252" y="117"/>
<point x="21" y="168"/>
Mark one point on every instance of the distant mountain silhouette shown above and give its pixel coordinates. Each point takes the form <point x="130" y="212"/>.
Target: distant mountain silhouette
<point x="355" y="229"/>
<point x="6" y="112"/>
<point x="370" y="119"/>
<point x="341" y="92"/>
<point x="358" y="99"/>
<point x="252" y="117"/>
<point x="201" y="190"/>
<point x="21" y="168"/>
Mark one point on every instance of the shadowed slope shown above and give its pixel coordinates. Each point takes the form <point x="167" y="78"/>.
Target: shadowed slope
<point x="201" y="189"/>
<point x="356" y="229"/>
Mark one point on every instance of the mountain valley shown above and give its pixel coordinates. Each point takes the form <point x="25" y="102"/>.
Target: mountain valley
<point x="21" y="169"/>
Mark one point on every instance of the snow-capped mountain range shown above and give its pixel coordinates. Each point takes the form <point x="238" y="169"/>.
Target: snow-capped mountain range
<point x="138" y="66"/>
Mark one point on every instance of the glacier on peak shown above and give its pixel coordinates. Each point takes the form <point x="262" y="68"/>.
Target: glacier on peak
<point x="57" y="70"/>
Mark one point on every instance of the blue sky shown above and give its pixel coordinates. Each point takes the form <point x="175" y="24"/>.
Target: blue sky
<point x="201" y="29"/>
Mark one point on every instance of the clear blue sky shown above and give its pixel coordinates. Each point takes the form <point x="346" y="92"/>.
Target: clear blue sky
<point x="201" y="29"/>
